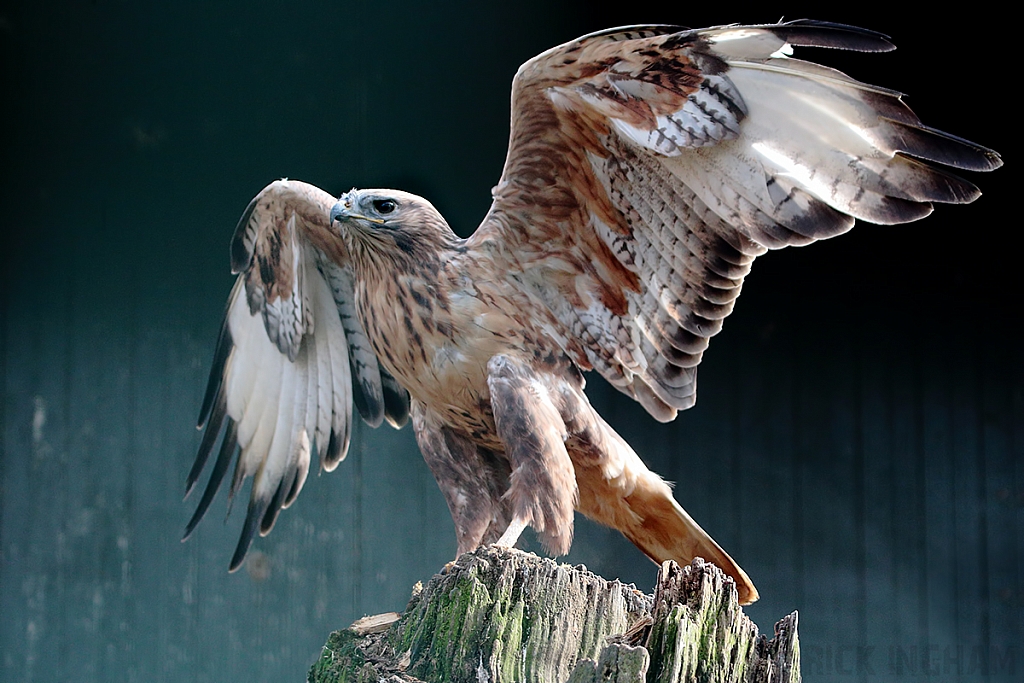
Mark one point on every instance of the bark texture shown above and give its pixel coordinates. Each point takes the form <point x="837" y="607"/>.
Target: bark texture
<point x="503" y="615"/>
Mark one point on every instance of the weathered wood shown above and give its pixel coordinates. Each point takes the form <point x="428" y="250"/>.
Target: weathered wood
<point x="701" y="634"/>
<point x="504" y="615"/>
<point x="618" y="663"/>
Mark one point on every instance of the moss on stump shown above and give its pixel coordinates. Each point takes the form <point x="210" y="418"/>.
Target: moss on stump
<point x="504" y="615"/>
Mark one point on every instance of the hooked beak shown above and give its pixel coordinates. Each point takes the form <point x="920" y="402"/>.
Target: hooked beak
<point x="342" y="211"/>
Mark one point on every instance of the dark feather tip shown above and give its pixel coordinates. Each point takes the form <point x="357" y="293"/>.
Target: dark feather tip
<point x="893" y="211"/>
<point x="358" y="397"/>
<point x="220" y="357"/>
<point x="396" y="401"/>
<point x="945" y="187"/>
<point x="371" y="409"/>
<point x="293" y="490"/>
<point x="241" y="256"/>
<point x="274" y="509"/>
<point x="337" y="449"/>
<point x="206" y="446"/>
<point x="257" y="508"/>
<point x="812" y="33"/>
<point x="227" y="451"/>
<point x="935" y="145"/>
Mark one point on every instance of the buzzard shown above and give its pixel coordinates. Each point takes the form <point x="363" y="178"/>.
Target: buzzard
<point x="647" y="167"/>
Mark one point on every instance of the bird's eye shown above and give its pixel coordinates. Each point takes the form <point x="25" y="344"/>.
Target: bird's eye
<point x="384" y="206"/>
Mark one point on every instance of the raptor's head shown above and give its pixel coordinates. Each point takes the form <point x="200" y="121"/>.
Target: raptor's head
<point x="390" y="224"/>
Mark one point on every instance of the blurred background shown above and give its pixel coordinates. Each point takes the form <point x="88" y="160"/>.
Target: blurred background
<point x="857" y="445"/>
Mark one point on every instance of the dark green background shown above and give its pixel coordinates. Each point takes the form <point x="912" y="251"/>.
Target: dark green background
<point x="857" y="445"/>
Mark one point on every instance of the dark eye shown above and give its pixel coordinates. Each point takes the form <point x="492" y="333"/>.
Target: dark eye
<point x="385" y="206"/>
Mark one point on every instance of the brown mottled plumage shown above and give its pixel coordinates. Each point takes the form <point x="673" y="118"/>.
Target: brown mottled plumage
<point x="647" y="168"/>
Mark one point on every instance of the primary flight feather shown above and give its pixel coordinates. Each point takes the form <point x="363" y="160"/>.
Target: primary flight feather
<point x="647" y="168"/>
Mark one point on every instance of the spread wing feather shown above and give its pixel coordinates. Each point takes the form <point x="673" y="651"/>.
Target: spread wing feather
<point x="291" y="360"/>
<point x="649" y="166"/>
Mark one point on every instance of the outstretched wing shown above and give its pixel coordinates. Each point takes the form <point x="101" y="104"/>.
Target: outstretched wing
<point x="290" y="361"/>
<point x="649" y="166"/>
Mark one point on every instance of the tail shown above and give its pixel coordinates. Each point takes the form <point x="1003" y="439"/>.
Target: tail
<point x="617" y="490"/>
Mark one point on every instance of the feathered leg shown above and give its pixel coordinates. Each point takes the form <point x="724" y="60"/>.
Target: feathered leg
<point x="543" y="483"/>
<point x="472" y="479"/>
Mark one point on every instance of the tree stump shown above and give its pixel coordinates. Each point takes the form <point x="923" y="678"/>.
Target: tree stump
<point x="499" y="614"/>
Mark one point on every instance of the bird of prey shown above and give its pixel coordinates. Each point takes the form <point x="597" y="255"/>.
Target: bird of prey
<point x="647" y="167"/>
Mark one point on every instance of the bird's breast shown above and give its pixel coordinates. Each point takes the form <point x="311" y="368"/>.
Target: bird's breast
<point x="437" y="338"/>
